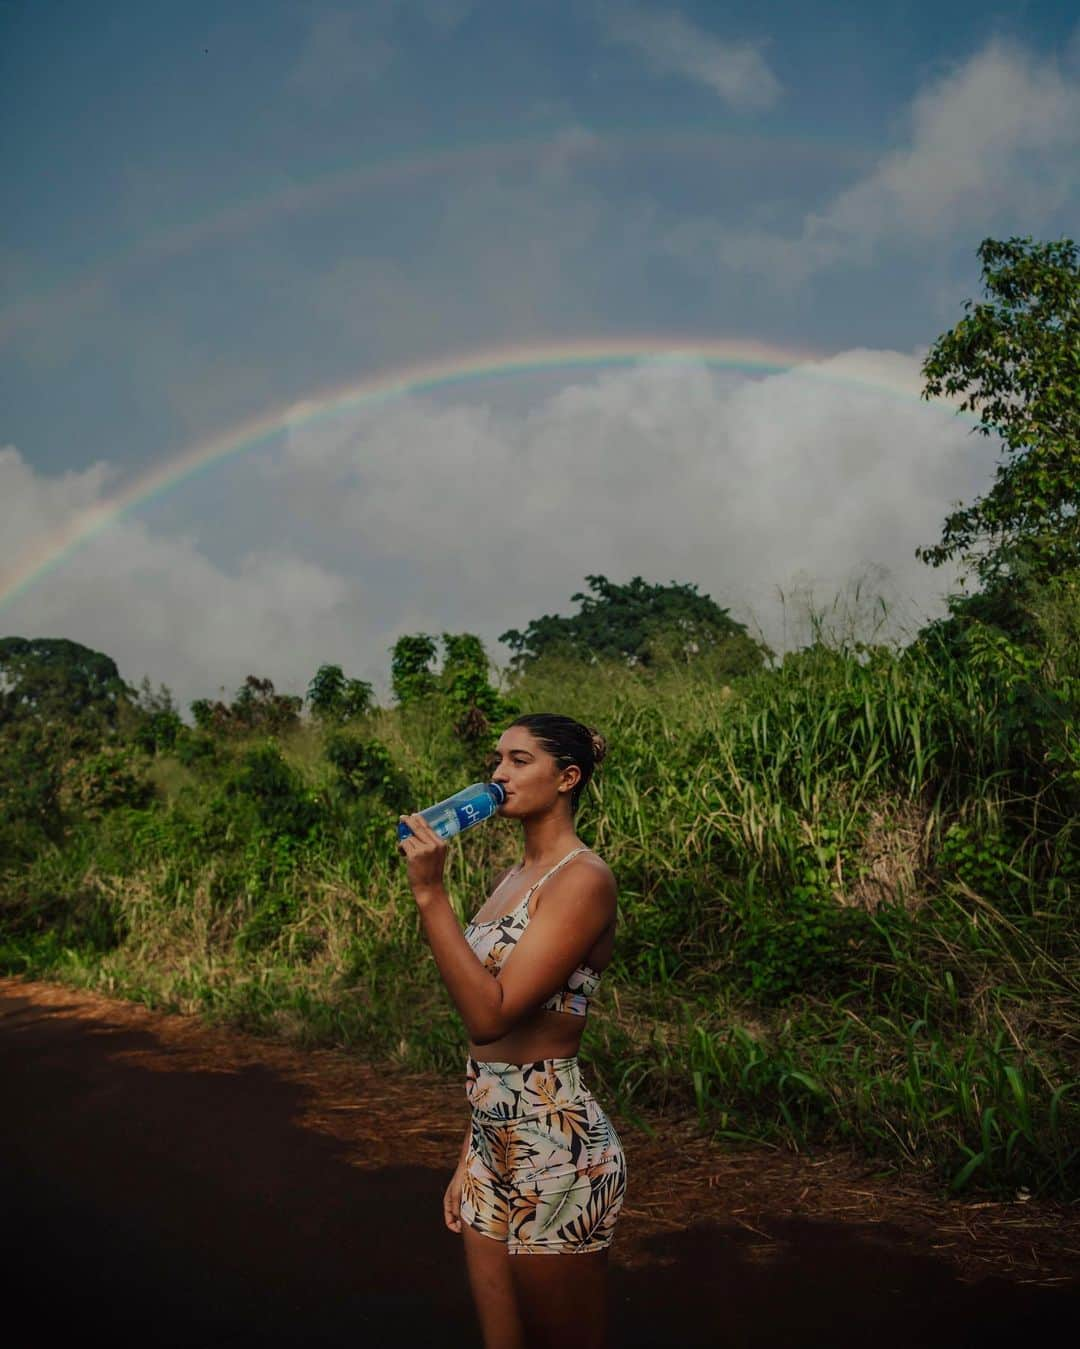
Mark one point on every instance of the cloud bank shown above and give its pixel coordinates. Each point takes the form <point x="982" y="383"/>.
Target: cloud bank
<point x="427" y="516"/>
<point x="991" y="144"/>
<point x="671" y="45"/>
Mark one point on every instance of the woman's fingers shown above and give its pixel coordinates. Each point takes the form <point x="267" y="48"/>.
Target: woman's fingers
<point x="423" y="837"/>
<point x="424" y="853"/>
<point x="412" y="838"/>
<point x="424" y="831"/>
<point x="420" y="829"/>
<point x="452" y="1205"/>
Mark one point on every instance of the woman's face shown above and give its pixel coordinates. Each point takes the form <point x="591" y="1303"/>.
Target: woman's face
<point x="529" y="775"/>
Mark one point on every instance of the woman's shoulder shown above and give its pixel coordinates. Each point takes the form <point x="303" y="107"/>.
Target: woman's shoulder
<point x="594" y="860"/>
<point x="591" y="864"/>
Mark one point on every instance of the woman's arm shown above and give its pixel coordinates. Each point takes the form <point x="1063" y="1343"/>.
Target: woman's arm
<point x="579" y="904"/>
<point x="474" y="990"/>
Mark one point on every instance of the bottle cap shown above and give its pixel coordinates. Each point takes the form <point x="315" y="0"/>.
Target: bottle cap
<point x="499" y="793"/>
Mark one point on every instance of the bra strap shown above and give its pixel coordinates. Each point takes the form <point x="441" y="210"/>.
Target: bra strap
<point x="557" y="867"/>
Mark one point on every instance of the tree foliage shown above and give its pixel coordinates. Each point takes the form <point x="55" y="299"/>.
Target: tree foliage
<point x="256" y="707"/>
<point x="641" y="624"/>
<point x="366" y="768"/>
<point x="412" y="673"/>
<point x="285" y="806"/>
<point x="51" y="678"/>
<point x="333" y="697"/>
<point x="155" y="723"/>
<point x="463" y="680"/>
<point x="1014" y="361"/>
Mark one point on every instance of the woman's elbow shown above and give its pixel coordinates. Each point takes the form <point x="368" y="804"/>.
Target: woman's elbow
<point x="482" y="1035"/>
<point x="493" y="1024"/>
<point x="486" y="1032"/>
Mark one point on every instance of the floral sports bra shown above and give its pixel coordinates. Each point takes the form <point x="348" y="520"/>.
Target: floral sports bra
<point x="492" y="943"/>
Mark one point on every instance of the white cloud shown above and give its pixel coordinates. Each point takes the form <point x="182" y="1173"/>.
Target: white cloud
<point x="357" y="45"/>
<point x="32" y="506"/>
<point x="999" y="135"/>
<point x="667" y="471"/>
<point x="993" y="144"/>
<point x="671" y="45"/>
<point x="415" y="516"/>
<point x="159" y="606"/>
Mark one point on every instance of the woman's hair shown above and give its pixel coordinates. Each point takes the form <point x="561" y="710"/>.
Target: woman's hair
<point x="568" y="742"/>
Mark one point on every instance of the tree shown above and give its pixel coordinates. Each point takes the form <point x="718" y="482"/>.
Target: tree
<point x="154" y="720"/>
<point x="463" y="680"/>
<point x="1014" y="360"/>
<point x="411" y="673"/>
<point x="332" y="697"/>
<point x="466" y="682"/>
<point x="51" y="678"/>
<point x="256" y="707"/>
<point x="640" y="624"/>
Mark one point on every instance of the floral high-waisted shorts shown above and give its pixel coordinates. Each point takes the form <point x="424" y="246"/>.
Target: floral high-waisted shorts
<point x="545" y="1170"/>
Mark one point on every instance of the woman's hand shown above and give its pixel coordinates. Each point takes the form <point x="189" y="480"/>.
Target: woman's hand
<point x="451" y="1203"/>
<point x="425" y="853"/>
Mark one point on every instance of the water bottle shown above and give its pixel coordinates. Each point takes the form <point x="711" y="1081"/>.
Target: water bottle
<point x="461" y="811"/>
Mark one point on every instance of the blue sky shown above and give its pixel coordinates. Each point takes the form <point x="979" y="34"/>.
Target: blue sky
<point x="215" y="209"/>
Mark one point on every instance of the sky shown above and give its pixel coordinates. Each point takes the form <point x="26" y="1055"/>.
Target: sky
<point x="753" y="218"/>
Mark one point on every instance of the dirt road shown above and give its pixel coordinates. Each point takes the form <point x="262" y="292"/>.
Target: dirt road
<point x="166" y="1183"/>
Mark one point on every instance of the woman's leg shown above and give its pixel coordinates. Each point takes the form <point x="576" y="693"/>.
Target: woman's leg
<point x="562" y="1299"/>
<point x="488" y="1262"/>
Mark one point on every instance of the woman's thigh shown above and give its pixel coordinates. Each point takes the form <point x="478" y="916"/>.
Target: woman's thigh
<point x="562" y="1299"/>
<point x="494" y="1295"/>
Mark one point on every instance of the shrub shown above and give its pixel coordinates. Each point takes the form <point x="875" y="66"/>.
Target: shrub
<point x="366" y="768"/>
<point x="283" y="803"/>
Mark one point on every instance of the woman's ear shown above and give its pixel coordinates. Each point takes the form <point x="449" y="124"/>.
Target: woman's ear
<point x="570" y="778"/>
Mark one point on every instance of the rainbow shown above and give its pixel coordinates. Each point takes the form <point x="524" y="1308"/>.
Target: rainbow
<point x="747" y="357"/>
<point x="395" y="170"/>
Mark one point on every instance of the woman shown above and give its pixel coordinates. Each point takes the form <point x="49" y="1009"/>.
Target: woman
<point x="541" y="1177"/>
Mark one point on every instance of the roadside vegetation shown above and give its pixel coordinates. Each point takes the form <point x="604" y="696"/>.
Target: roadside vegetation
<point x="848" y="874"/>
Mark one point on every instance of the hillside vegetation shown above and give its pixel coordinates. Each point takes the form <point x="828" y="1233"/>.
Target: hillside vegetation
<point x="848" y="878"/>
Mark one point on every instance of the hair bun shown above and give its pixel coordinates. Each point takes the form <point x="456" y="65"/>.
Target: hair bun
<point x="599" y="746"/>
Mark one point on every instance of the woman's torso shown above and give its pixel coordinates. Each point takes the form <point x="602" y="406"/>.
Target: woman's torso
<point x="543" y="1034"/>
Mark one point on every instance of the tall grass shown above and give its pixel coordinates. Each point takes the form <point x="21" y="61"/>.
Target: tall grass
<point x="847" y="901"/>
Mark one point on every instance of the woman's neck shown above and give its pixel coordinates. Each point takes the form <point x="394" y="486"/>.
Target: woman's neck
<point x="548" y="839"/>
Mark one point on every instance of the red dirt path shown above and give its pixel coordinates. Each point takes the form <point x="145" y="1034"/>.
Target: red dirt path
<point x="167" y="1183"/>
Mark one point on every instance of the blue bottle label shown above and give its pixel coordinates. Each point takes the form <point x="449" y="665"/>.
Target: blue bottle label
<point x="469" y="813"/>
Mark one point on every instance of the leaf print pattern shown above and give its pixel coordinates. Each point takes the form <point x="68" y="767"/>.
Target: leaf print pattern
<point x="545" y="1170"/>
<point x="495" y="1092"/>
<point x="561" y="1202"/>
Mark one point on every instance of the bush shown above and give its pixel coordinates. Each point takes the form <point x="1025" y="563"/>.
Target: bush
<point x="366" y="768"/>
<point x="112" y="779"/>
<point x="284" y="805"/>
<point x="803" y="943"/>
